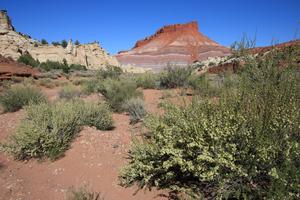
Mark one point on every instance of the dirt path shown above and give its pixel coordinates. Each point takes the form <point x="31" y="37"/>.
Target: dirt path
<point x="94" y="159"/>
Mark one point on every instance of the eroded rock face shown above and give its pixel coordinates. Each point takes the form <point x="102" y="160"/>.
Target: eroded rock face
<point x="13" y="44"/>
<point x="179" y="44"/>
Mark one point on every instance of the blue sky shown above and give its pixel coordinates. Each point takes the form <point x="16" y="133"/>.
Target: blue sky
<point x="118" y="24"/>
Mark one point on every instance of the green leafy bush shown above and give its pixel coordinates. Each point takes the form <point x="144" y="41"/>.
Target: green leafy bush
<point x="53" y="65"/>
<point x="118" y="91"/>
<point x="147" y="80"/>
<point x="15" y="97"/>
<point x="48" y="129"/>
<point x="27" y="59"/>
<point x="64" y="43"/>
<point x="245" y="146"/>
<point x="44" y="42"/>
<point x="136" y="109"/>
<point x="69" y="92"/>
<point x="175" y="77"/>
<point x="55" y="43"/>
<point x="77" y="67"/>
<point x="97" y="115"/>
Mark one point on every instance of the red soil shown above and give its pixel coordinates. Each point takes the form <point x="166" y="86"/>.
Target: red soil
<point x="94" y="159"/>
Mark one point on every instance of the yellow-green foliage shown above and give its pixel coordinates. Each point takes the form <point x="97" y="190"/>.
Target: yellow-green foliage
<point x="15" y="97"/>
<point x="147" y="80"/>
<point x="69" y="92"/>
<point x="48" y="129"/>
<point x="245" y="146"/>
<point x="117" y="91"/>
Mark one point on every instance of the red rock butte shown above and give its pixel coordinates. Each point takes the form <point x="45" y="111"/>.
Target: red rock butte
<point x="178" y="44"/>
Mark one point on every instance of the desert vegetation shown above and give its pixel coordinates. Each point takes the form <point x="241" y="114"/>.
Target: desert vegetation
<point x="235" y="136"/>
<point x="243" y="146"/>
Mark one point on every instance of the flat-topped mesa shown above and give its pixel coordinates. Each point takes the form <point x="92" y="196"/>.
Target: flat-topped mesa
<point x="5" y="22"/>
<point x="169" y="29"/>
<point x="178" y="44"/>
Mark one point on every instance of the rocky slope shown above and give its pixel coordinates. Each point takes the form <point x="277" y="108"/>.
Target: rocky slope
<point x="14" y="44"/>
<point x="178" y="44"/>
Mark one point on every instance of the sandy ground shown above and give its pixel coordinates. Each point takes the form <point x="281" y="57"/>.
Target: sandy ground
<point x="94" y="160"/>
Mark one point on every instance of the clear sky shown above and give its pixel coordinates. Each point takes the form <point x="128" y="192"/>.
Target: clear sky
<point x="118" y="24"/>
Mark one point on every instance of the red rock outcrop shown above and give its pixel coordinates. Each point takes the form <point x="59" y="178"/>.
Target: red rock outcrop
<point x="10" y="68"/>
<point x="179" y="44"/>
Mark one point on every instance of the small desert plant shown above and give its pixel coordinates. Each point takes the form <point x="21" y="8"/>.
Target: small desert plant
<point x="46" y="82"/>
<point x="83" y="193"/>
<point x="69" y="92"/>
<point x="147" y="80"/>
<point x="118" y="91"/>
<point x="15" y="97"/>
<point x="55" y="43"/>
<point x="77" y="67"/>
<point x="175" y="77"/>
<point x="136" y="109"/>
<point x="97" y="115"/>
<point x="27" y="59"/>
<point x="110" y="72"/>
<point x="48" y="129"/>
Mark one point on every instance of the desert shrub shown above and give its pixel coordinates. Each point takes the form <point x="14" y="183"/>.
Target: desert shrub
<point x="136" y="109"/>
<point x="15" y="97"/>
<point x="118" y="91"/>
<point x="48" y="129"/>
<point x="83" y="193"/>
<point x="245" y="146"/>
<point x="27" y="59"/>
<point x="77" y="67"/>
<point x="204" y="87"/>
<point x="110" y="71"/>
<point x="44" y="42"/>
<point x="97" y="115"/>
<point x="77" y="42"/>
<point x="147" y="80"/>
<point x="64" y="43"/>
<point x="46" y="82"/>
<point x="90" y="86"/>
<point x="55" y="43"/>
<point x="175" y="77"/>
<point x="69" y="92"/>
<point x="53" y="65"/>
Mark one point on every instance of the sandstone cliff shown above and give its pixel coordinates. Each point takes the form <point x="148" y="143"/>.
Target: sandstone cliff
<point x="14" y="44"/>
<point x="179" y="44"/>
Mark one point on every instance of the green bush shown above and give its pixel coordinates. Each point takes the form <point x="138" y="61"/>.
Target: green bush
<point x="175" y="77"/>
<point x="55" y="43"/>
<point x="97" y="115"/>
<point x="53" y="65"/>
<point x="77" y="67"/>
<point x="204" y="87"/>
<point x="118" y="91"/>
<point x="136" y="109"/>
<point x="77" y="42"/>
<point x="48" y="129"/>
<point x="15" y="97"/>
<point x="27" y="59"/>
<point x="147" y="80"/>
<point x="64" y="43"/>
<point x="110" y="72"/>
<point x="69" y="92"/>
<point x="44" y="42"/>
<point x="245" y="146"/>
